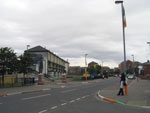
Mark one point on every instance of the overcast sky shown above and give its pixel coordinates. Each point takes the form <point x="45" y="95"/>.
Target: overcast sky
<point x="72" y="28"/>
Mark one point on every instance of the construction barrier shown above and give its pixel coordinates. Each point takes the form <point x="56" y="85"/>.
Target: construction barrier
<point x="40" y="80"/>
<point x="64" y="80"/>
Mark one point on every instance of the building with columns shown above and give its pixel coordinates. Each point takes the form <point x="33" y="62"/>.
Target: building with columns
<point x="48" y="63"/>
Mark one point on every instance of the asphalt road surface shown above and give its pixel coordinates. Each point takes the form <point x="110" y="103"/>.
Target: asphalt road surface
<point x="72" y="99"/>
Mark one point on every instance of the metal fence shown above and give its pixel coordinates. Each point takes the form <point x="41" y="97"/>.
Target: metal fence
<point x="16" y="82"/>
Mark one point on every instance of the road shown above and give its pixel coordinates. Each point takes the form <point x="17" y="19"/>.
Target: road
<point x="79" y="98"/>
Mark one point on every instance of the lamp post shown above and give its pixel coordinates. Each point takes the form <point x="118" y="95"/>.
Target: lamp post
<point x="28" y="47"/>
<point x="85" y="63"/>
<point x="149" y="48"/>
<point x="133" y="64"/>
<point x="133" y="57"/>
<point x="102" y="68"/>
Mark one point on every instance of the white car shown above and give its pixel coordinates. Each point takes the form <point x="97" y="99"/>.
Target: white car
<point x="131" y="77"/>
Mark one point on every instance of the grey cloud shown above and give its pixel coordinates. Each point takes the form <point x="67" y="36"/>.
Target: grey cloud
<point x="72" y="28"/>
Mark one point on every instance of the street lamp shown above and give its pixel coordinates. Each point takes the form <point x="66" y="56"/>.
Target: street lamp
<point x="149" y="47"/>
<point x="102" y="68"/>
<point x="85" y="63"/>
<point x="133" y="57"/>
<point x="28" y="47"/>
<point x="123" y="28"/>
<point x="133" y="64"/>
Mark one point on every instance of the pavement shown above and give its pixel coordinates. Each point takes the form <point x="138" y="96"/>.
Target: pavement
<point x="138" y="94"/>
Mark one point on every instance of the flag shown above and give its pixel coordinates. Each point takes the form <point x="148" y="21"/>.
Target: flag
<point x="124" y="17"/>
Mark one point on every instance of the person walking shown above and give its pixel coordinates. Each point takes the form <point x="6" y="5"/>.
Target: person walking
<point x="122" y="82"/>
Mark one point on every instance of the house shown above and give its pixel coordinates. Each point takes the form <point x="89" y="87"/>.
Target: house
<point x="128" y="65"/>
<point x="92" y="64"/>
<point x="75" y="70"/>
<point x="146" y="68"/>
<point x="47" y="63"/>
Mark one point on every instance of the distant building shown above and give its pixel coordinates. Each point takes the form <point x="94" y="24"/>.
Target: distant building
<point x="146" y="68"/>
<point x="47" y="63"/>
<point x="76" y="70"/>
<point x="106" y="68"/>
<point x="128" y="65"/>
<point x="92" y="64"/>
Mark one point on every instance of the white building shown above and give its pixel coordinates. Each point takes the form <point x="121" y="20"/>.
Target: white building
<point x="48" y="63"/>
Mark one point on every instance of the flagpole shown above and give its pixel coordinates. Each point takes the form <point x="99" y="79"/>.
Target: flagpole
<point x="124" y="43"/>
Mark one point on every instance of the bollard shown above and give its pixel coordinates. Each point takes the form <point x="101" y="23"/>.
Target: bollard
<point x="126" y="90"/>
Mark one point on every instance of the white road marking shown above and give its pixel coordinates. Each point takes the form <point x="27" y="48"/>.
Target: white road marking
<point x="83" y="97"/>
<point x="43" y="111"/>
<point x="14" y="93"/>
<point x="1" y="103"/>
<point x="68" y="91"/>
<point x="63" y="104"/>
<point x="35" y="97"/>
<point x="78" y="99"/>
<point x="72" y="101"/>
<point x="54" y="107"/>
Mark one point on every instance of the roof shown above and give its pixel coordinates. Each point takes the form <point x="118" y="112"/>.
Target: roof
<point x="38" y="49"/>
<point x="92" y="63"/>
<point x="42" y="49"/>
<point x="126" y="61"/>
<point x="147" y="63"/>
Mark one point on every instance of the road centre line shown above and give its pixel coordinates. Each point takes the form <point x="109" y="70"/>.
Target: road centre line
<point x="78" y="99"/>
<point x="68" y="90"/>
<point x="35" y="97"/>
<point x="72" y="101"/>
<point x="83" y="97"/>
<point x="43" y="111"/>
<point x="63" y="104"/>
<point x="54" y="107"/>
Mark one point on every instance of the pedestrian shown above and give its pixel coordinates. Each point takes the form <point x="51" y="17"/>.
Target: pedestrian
<point x="122" y="81"/>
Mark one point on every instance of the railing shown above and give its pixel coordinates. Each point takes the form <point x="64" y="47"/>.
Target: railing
<point x="16" y="82"/>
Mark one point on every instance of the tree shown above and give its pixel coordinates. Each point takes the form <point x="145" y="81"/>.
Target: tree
<point x="117" y="71"/>
<point x="94" y="69"/>
<point x="25" y="60"/>
<point x="7" y="61"/>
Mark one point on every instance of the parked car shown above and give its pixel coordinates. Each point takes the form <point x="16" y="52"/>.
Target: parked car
<point x="131" y="76"/>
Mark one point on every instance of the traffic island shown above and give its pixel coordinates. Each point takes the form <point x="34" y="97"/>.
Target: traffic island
<point x="3" y="95"/>
<point x="119" y="102"/>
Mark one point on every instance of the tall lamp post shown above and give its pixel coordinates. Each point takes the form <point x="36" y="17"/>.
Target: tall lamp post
<point x="124" y="45"/>
<point x="28" y="47"/>
<point x="133" y="64"/>
<point x="85" y="63"/>
<point x="149" y="49"/>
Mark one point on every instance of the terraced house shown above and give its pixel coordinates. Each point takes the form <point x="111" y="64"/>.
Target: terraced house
<point x="48" y="63"/>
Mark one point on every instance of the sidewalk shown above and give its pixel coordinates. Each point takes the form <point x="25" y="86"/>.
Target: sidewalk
<point x="138" y="93"/>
